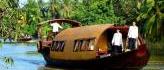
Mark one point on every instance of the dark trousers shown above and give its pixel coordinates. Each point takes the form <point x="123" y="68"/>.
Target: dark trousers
<point x="117" y="49"/>
<point x="55" y="33"/>
<point x="131" y="43"/>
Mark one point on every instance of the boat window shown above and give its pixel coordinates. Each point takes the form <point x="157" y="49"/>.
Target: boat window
<point x="57" y="46"/>
<point x="77" y="45"/>
<point x="91" y="44"/>
<point x="84" y="45"/>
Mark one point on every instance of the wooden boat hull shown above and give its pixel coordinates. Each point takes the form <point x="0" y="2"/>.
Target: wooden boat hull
<point x="135" y="59"/>
<point x="24" y="39"/>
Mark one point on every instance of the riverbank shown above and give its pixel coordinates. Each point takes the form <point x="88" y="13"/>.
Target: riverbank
<point x="156" y="51"/>
<point x="30" y="41"/>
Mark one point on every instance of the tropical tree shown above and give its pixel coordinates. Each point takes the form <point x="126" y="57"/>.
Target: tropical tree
<point x="17" y="21"/>
<point x="127" y="9"/>
<point x="33" y="17"/>
<point x="54" y="8"/>
<point x="9" y="20"/>
<point x="151" y="18"/>
<point x="97" y="11"/>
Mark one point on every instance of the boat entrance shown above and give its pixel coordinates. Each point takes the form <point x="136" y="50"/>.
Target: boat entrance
<point x="105" y="46"/>
<point x="109" y="34"/>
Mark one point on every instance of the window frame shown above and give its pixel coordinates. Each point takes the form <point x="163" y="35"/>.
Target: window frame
<point x="58" y="46"/>
<point x="84" y="44"/>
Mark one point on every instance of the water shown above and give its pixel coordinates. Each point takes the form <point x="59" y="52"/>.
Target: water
<point x="25" y="57"/>
<point x="154" y="65"/>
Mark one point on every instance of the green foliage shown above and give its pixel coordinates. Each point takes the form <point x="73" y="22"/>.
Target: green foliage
<point x="46" y="29"/>
<point x="17" y="21"/>
<point x="8" y="60"/>
<point x="32" y="17"/>
<point x="8" y="23"/>
<point x="65" y="26"/>
<point x="151" y="16"/>
<point x="147" y="13"/>
<point x="99" y="11"/>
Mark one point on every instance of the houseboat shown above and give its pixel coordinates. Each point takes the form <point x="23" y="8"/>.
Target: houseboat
<point x="90" y="47"/>
<point x="24" y="39"/>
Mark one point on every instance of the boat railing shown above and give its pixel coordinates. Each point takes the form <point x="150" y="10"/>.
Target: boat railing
<point x="73" y="23"/>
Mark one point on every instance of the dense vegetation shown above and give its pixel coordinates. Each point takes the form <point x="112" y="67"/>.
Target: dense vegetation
<point x="17" y="20"/>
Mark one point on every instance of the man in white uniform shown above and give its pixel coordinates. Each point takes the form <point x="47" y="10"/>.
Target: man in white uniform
<point x="117" y="42"/>
<point x="132" y="36"/>
<point x="56" y="27"/>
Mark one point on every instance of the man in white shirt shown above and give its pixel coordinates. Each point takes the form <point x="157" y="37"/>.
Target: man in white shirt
<point x="132" y="36"/>
<point x="117" y="42"/>
<point x="56" y="27"/>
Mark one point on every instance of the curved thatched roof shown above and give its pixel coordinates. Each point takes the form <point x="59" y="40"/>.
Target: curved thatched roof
<point x="101" y="34"/>
<point x="83" y="32"/>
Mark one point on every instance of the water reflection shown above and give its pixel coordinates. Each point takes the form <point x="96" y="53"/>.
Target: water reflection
<point x="25" y="57"/>
<point x="154" y="65"/>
